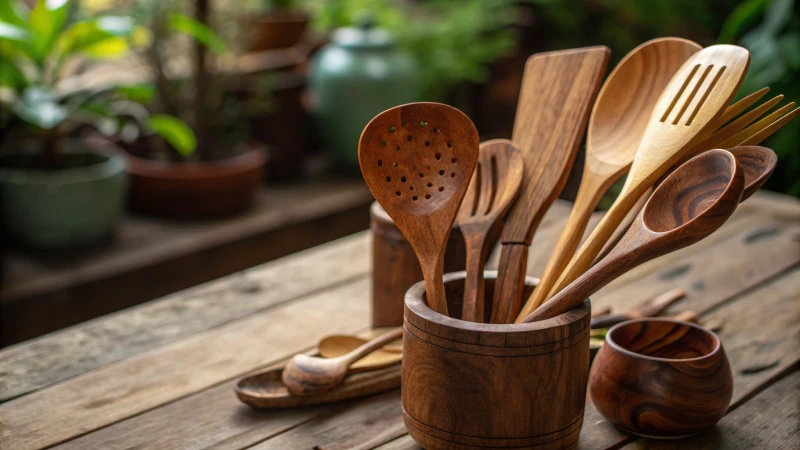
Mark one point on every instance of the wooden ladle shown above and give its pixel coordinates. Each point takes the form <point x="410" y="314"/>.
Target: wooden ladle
<point x="341" y="344"/>
<point x="417" y="160"/>
<point x="685" y="114"/>
<point x="309" y="375"/>
<point x="494" y="186"/>
<point x="619" y="119"/>
<point x="693" y="202"/>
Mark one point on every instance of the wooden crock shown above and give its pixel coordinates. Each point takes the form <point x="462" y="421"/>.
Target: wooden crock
<point x="395" y="267"/>
<point x="467" y="385"/>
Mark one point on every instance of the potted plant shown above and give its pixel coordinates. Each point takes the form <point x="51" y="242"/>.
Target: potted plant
<point x="54" y="190"/>
<point x="211" y="168"/>
<point x="279" y="26"/>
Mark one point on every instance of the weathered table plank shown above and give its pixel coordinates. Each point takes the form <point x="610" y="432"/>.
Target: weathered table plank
<point x="768" y="421"/>
<point x="43" y="361"/>
<point x="171" y="386"/>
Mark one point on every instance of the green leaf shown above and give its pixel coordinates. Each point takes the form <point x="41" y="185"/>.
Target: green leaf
<point x="46" y="22"/>
<point x="742" y="16"/>
<point x="141" y="93"/>
<point x="13" y="33"/>
<point x="102" y="36"/>
<point x="12" y="13"/>
<point x="175" y="132"/>
<point x="10" y="75"/>
<point x="198" y="31"/>
<point x="39" y="108"/>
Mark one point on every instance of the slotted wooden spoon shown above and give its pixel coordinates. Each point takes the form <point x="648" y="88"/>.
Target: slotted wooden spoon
<point x="558" y="89"/>
<point x="685" y="115"/>
<point x="494" y="186"/>
<point x="693" y="202"/>
<point x="417" y="160"/>
<point x="619" y="118"/>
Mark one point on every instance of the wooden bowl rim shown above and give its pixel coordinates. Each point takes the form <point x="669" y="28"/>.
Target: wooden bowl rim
<point x="413" y="301"/>
<point x="610" y="340"/>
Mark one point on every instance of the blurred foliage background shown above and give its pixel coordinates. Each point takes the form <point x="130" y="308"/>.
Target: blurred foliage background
<point x="472" y="51"/>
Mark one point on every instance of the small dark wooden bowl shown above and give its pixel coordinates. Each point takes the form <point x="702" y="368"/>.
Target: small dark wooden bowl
<point x="472" y="385"/>
<point x="661" y="378"/>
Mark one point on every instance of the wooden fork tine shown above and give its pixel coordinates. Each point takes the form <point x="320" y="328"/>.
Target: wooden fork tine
<point x="746" y="102"/>
<point x="739" y="124"/>
<point x="770" y="129"/>
<point x="753" y="129"/>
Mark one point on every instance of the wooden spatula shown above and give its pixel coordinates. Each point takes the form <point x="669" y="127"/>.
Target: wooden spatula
<point x="494" y="186"/>
<point x="417" y="160"/>
<point x="558" y="90"/>
<point x="685" y="114"/>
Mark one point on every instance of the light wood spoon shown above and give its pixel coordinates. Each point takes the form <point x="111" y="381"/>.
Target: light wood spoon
<point x="494" y="186"/>
<point x="558" y="89"/>
<point x="309" y="375"/>
<point x="338" y="345"/>
<point x="685" y="115"/>
<point x="417" y="160"/>
<point x="693" y="202"/>
<point x="619" y="119"/>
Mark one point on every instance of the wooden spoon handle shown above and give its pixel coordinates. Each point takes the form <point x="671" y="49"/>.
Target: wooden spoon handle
<point x="631" y="252"/>
<point x="373" y="345"/>
<point x="590" y="192"/>
<point x="595" y="242"/>
<point x="510" y="284"/>
<point x="433" y="274"/>
<point x="474" y="283"/>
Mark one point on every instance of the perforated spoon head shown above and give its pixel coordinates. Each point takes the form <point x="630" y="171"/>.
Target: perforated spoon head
<point x="623" y="107"/>
<point x="417" y="160"/>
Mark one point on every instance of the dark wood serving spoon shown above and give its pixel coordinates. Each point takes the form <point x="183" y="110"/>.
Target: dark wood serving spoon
<point x="693" y="202"/>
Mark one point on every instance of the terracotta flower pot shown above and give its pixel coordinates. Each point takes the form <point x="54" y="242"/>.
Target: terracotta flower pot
<point x="193" y="190"/>
<point x="277" y="29"/>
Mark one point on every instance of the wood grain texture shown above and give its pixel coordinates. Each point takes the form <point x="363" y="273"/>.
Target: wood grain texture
<point x="491" y="192"/>
<point x="767" y="421"/>
<point x="558" y="89"/>
<point x="44" y="361"/>
<point x="467" y="384"/>
<point x="118" y="391"/>
<point x="313" y="375"/>
<point x="685" y="114"/>
<point x="417" y="160"/>
<point x="265" y="390"/>
<point x="693" y="202"/>
<point x="652" y="308"/>
<point x="616" y="127"/>
<point x="662" y="378"/>
<point x="395" y="267"/>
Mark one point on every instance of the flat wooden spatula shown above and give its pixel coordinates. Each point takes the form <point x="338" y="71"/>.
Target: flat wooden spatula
<point x="558" y="90"/>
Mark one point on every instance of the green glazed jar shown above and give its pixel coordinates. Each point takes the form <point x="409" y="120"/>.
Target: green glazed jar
<point x="354" y="78"/>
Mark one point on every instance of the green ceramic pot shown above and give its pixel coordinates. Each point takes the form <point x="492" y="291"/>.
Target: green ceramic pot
<point x="354" y="78"/>
<point x="77" y="205"/>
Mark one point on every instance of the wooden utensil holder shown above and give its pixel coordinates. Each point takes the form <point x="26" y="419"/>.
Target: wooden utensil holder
<point x="395" y="267"/>
<point x="472" y="385"/>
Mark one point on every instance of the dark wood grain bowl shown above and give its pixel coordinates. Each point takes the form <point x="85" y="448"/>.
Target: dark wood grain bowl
<point x="472" y="385"/>
<point x="661" y="378"/>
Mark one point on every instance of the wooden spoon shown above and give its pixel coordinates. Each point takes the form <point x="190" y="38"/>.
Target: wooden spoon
<point x="417" y="160"/>
<point x="338" y="345"/>
<point x="685" y="114"/>
<point x="494" y="186"/>
<point x="558" y="89"/>
<point x="693" y="202"/>
<point x="619" y="119"/>
<point x="309" y="375"/>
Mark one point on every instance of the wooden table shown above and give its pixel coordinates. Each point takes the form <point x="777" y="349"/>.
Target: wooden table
<point x="152" y="257"/>
<point x="159" y="375"/>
